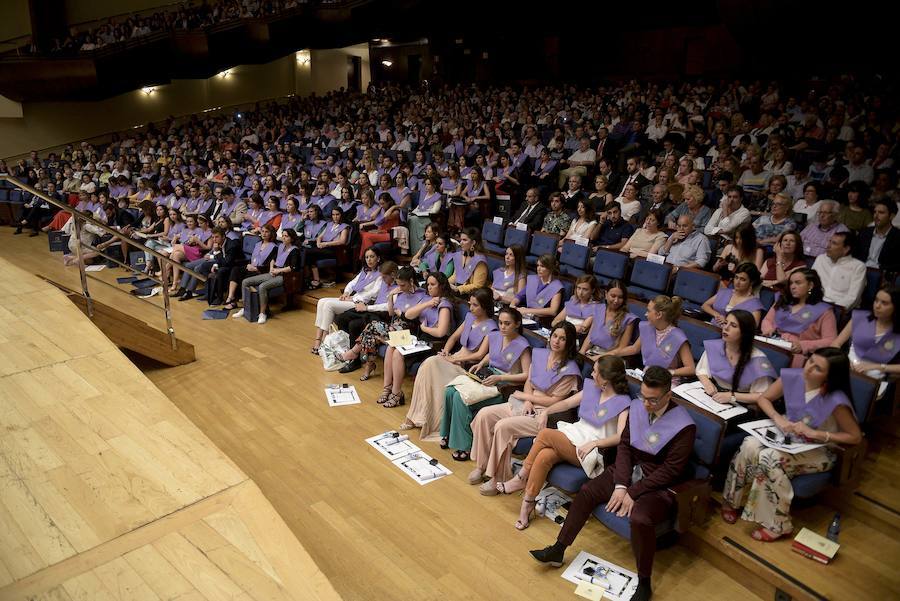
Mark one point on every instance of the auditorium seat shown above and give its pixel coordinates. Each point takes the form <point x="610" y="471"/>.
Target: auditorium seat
<point x="574" y="258"/>
<point x="610" y="265"/>
<point x="649" y="279"/>
<point x="695" y="287"/>
<point x="492" y="236"/>
<point x="542" y="243"/>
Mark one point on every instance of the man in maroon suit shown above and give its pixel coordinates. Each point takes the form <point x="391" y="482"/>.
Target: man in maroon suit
<point x="651" y="457"/>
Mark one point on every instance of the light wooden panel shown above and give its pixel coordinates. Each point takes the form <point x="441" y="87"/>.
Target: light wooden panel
<point x="106" y="489"/>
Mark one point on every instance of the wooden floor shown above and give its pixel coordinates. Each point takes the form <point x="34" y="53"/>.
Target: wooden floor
<point x="257" y="393"/>
<point x="107" y="491"/>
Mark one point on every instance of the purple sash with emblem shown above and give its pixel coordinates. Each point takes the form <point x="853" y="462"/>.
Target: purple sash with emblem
<point x="815" y="412"/>
<point x="600" y="334"/>
<point x="260" y="252"/>
<point x="290" y="222"/>
<point x="430" y="316"/>
<point x="503" y="282"/>
<point x="312" y="229"/>
<point x="383" y="292"/>
<point x="867" y="348"/>
<point x="665" y="354"/>
<point x="580" y="310"/>
<point x="757" y="367"/>
<point x="503" y="358"/>
<point x="282" y="256"/>
<point x="472" y="334"/>
<point x="464" y="272"/>
<point x="267" y="216"/>
<point x="652" y="438"/>
<point x="598" y="413"/>
<point x="538" y="294"/>
<point x="542" y="378"/>
<point x="333" y="231"/>
<point x="175" y="230"/>
<point x="190" y="206"/>
<point x="796" y="323"/>
<point x="363" y="214"/>
<point x="542" y="168"/>
<point x="365" y="277"/>
<point x="405" y="300"/>
<point x="323" y="201"/>
<point x="427" y="202"/>
<point x="724" y="296"/>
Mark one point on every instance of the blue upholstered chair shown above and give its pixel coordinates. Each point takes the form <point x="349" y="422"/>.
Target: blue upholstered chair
<point x="649" y="279"/>
<point x="574" y="258"/>
<point x="695" y="286"/>
<point x="697" y="332"/>
<point x="248" y="243"/>
<point x="542" y="243"/>
<point x="515" y="236"/>
<point x="492" y="236"/>
<point x="610" y="265"/>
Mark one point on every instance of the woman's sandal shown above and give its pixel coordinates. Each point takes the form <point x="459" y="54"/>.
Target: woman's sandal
<point x="460" y="455"/>
<point x="395" y="400"/>
<point x="315" y="285"/>
<point x="384" y="395"/>
<point x="763" y="536"/>
<point x="230" y="305"/>
<point x="368" y="373"/>
<point x="445" y="443"/>
<point x="314" y="350"/>
<point x="520" y="525"/>
<point x="504" y="487"/>
<point x="729" y="514"/>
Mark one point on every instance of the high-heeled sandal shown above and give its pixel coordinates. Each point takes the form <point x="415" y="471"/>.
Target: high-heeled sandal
<point x="763" y="536"/>
<point x="729" y="514"/>
<point x="406" y="425"/>
<point x="395" y="400"/>
<point x="369" y="372"/>
<point x="445" y="442"/>
<point x="520" y="525"/>
<point x="384" y="395"/>
<point x="501" y="486"/>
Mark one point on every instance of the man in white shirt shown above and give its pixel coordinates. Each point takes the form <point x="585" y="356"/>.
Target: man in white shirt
<point x="578" y="161"/>
<point x="843" y="277"/>
<point x="858" y="169"/>
<point x="730" y="216"/>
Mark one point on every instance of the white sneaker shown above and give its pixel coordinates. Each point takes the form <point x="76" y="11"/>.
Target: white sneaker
<point x="238" y="315"/>
<point x="262" y="318"/>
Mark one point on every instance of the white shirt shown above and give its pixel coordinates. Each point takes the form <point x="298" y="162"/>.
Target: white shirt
<point x="718" y="224"/>
<point x="367" y="294"/>
<point x="758" y="385"/>
<point x="578" y="156"/>
<point x="842" y="280"/>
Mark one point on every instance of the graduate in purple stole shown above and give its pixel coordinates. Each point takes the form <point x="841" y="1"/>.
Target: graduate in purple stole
<point x="740" y="296"/>
<point x="509" y="280"/>
<point x="818" y="411"/>
<point x="731" y="369"/>
<point x="652" y="456"/>
<point x="800" y="317"/>
<point x="660" y="341"/>
<point x="543" y="292"/>
<point x="579" y="310"/>
<point x="612" y="326"/>
<point x="469" y="265"/>
<point x="874" y="336"/>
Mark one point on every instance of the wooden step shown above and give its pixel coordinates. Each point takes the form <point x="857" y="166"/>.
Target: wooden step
<point x="135" y="335"/>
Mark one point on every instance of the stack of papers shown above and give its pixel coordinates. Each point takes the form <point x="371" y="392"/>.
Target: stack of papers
<point x="694" y="393"/>
<point x="775" y="342"/>
<point x="338" y="395"/>
<point x="766" y="432"/>
<point x="409" y="458"/>
<point x="617" y="583"/>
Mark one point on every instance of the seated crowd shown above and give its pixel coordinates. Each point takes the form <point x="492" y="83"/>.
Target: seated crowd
<point x="794" y="199"/>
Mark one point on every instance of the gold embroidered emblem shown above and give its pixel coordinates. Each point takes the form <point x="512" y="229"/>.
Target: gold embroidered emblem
<point x="765" y="365"/>
<point x="888" y="345"/>
<point x="806" y="419"/>
<point x="509" y="356"/>
<point x="806" y="314"/>
<point x="652" y="438"/>
<point x="602" y="411"/>
<point x="541" y="300"/>
<point x="667" y="349"/>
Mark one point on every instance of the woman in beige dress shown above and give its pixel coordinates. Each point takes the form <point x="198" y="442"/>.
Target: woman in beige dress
<point x="437" y="371"/>
<point x="553" y="376"/>
<point x="648" y="239"/>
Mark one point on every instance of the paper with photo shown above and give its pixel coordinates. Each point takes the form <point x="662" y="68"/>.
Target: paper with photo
<point x="621" y="582"/>
<point x="421" y="467"/>
<point x="341" y="395"/>
<point x="392" y="444"/>
<point x="399" y="338"/>
<point x="759" y="428"/>
<point x="694" y="392"/>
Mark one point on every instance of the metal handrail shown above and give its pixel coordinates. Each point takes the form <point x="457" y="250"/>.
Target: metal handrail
<point x="80" y="220"/>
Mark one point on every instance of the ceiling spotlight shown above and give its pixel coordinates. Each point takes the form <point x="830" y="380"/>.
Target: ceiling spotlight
<point x="148" y="90"/>
<point x="303" y="57"/>
<point x="387" y="63"/>
<point x="225" y="73"/>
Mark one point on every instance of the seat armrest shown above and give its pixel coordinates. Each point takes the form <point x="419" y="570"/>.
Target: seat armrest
<point x="691" y="503"/>
<point x="848" y="466"/>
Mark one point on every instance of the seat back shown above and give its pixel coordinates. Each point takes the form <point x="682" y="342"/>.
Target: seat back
<point x="574" y="258"/>
<point x="695" y="286"/>
<point x="516" y="236"/>
<point x="248" y="243"/>
<point x="873" y="283"/>
<point x="542" y="243"/>
<point x="863" y="390"/>
<point x="610" y="265"/>
<point x="697" y="332"/>
<point x="492" y="232"/>
<point x="778" y="357"/>
<point x="706" y="442"/>
<point x="649" y="279"/>
<point x="767" y="298"/>
<point x="493" y="261"/>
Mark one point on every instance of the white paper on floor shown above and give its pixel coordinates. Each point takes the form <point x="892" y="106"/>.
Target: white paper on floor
<point x="619" y="583"/>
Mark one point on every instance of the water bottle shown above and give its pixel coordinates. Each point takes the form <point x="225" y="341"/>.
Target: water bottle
<point x="835" y="528"/>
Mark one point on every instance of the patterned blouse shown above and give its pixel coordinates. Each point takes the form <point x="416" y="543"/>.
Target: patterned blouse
<point x="557" y="223"/>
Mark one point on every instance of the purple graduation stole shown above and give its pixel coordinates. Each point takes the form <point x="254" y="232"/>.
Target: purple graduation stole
<point x="502" y="281"/>
<point x="470" y="190"/>
<point x="757" y="367"/>
<point x="428" y="258"/>
<point x="405" y="300"/>
<point x="537" y="294"/>
<point x="312" y="229"/>
<point x="365" y="277"/>
<point x="232" y="235"/>
<point x="503" y="358"/>
<point x="283" y="252"/>
<point x="429" y="316"/>
<point x="547" y="167"/>
<point x="464" y="272"/>
<point x="190" y="206"/>
<point x="448" y="185"/>
<point x="600" y="334"/>
<point x="426" y="202"/>
<point x="252" y="215"/>
<point x="864" y="343"/>
<point x="332" y="231"/>
<point x="260" y="251"/>
<point x="542" y="378"/>
<point x="323" y="201"/>
<point x="665" y="354"/>
<point x="653" y="438"/>
<point x="290" y="222"/>
<point x="204" y="205"/>
<point x="175" y="230"/>
<point x="267" y="216"/>
<point x="472" y="335"/>
<point x="176" y="202"/>
<point x="204" y="234"/>
<point x="397" y="194"/>
<point x="383" y="292"/>
<point x="580" y="311"/>
<point x="724" y="296"/>
<point x="596" y="413"/>
<point x="796" y="323"/>
<point x="816" y="411"/>
<point x="186" y="234"/>
<point x="228" y="208"/>
<point x="364" y="214"/>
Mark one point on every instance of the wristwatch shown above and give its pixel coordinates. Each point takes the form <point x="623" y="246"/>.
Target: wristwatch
<point x="733" y="398"/>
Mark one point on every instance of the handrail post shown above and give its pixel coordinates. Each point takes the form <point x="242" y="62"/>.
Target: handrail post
<point x="167" y="309"/>
<point x="81" y="272"/>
